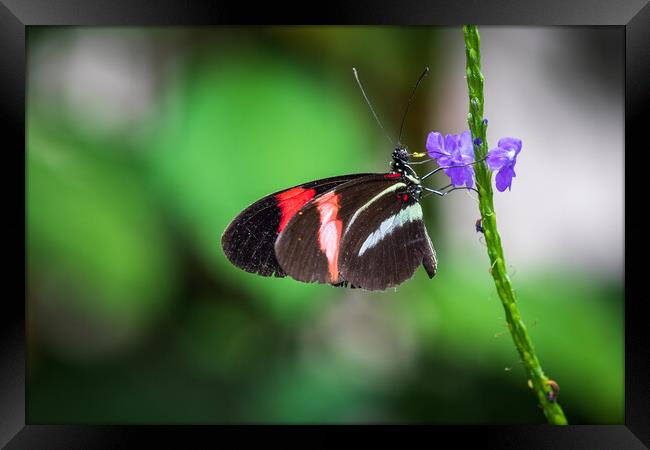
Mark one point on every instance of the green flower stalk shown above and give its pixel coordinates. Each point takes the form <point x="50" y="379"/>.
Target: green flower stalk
<point x="544" y="388"/>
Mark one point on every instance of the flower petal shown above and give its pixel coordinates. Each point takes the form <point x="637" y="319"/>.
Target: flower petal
<point x="469" y="177"/>
<point x="460" y="176"/>
<point x="497" y="158"/>
<point x="465" y="159"/>
<point x="466" y="147"/>
<point x="435" y="144"/>
<point x="456" y="175"/>
<point x="504" y="178"/>
<point x="452" y="142"/>
<point x="510" y="143"/>
<point x="445" y="161"/>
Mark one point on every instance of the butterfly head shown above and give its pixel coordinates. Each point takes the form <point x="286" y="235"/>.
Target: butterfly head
<point x="400" y="163"/>
<point x="400" y="155"/>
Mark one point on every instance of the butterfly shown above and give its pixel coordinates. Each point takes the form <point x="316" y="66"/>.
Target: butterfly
<point x="361" y="230"/>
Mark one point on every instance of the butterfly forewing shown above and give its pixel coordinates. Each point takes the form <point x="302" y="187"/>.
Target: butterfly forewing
<point x="248" y="242"/>
<point x="315" y="245"/>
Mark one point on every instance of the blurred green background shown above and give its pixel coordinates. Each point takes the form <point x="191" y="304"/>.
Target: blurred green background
<point x="143" y="143"/>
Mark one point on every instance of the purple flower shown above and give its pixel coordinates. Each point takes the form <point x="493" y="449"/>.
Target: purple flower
<point x="454" y="150"/>
<point x="503" y="158"/>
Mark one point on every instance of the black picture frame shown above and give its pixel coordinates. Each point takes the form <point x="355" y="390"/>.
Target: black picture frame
<point x="16" y="15"/>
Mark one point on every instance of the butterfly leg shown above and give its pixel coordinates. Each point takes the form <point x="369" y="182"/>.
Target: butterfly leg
<point x="434" y="171"/>
<point x="438" y="169"/>
<point x="442" y="191"/>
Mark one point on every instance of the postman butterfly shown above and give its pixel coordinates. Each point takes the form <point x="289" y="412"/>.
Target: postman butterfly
<point x="361" y="230"/>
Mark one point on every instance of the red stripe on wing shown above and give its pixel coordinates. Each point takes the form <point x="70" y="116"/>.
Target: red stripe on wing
<point x="329" y="232"/>
<point x="291" y="201"/>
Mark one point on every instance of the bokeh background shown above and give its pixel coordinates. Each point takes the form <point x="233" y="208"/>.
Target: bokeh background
<point x="143" y="143"/>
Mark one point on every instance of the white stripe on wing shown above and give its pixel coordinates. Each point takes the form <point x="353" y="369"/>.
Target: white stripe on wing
<point x="408" y="214"/>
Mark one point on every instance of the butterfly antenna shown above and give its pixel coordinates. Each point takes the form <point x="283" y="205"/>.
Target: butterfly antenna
<point x="408" y="105"/>
<point x="356" y="76"/>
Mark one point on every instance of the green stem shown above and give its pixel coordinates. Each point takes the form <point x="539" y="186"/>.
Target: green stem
<point x="540" y="382"/>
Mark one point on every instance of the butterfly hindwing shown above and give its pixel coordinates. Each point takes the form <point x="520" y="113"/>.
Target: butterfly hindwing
<point x="386" y="243"/>
<point x="248" y="242"/>
<point x="320" y="241"/>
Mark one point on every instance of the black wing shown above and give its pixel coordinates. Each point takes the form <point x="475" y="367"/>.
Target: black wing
<point x="320" y="241"/>
<point x="248" y="240"/>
